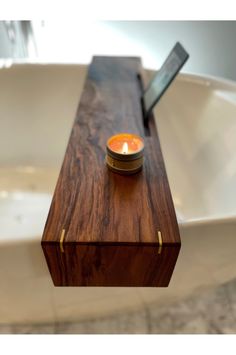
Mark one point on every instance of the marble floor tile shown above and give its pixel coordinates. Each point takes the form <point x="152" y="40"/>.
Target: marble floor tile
<point x="6" y="329"/>
<point x="27" y="329"/>
<point x="208" y="312"/>
<point x="211" y="312"/>
<point x="230" y="292"/>
<point x="130" y="323"/>
<point x="34" y="329"/>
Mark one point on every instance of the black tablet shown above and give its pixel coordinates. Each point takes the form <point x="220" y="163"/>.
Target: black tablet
<point x="161" y="81"/>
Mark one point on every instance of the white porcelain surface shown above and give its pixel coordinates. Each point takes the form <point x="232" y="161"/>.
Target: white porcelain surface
<point x="196" y="120"/>
<point x="197" y="127"/>
<point x="25" y="198"/>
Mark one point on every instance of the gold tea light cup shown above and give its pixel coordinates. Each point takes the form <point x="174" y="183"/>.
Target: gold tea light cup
<point x="125" y="153"/>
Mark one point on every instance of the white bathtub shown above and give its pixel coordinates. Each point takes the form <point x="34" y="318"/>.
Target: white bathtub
<point x="37" y="108"/>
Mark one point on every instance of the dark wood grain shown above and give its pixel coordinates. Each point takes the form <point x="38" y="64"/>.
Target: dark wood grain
<point x="111" y="221"/>
<point x="104" y="264"/>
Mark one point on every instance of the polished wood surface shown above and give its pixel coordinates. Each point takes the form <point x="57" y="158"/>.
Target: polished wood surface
<point x="110" y="221"/>
<point x="110" y="264"/>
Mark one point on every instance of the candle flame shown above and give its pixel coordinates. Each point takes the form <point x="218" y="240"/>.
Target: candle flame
<point x="125" y="148"/>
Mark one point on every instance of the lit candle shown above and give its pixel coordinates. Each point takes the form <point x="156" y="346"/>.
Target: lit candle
<point x="125" y="153"/>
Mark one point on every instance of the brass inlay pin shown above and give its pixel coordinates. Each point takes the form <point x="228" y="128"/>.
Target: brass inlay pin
<point x="62" y="240"/>
<point x="160" y="242"/>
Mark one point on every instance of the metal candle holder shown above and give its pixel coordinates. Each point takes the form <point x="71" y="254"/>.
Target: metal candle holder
<point x="125" y="163"/>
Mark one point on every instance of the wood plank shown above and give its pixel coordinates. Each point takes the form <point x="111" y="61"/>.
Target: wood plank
<point x="96" y="206"/>
<point x="110" y="265"/>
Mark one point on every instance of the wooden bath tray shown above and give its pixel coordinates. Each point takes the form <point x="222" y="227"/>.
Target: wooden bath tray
<point x="105" y="229"/>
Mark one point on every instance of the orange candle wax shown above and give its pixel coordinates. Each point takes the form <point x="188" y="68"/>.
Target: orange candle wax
<point x="125" y="143"/>
<point x="125" y="153"/>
